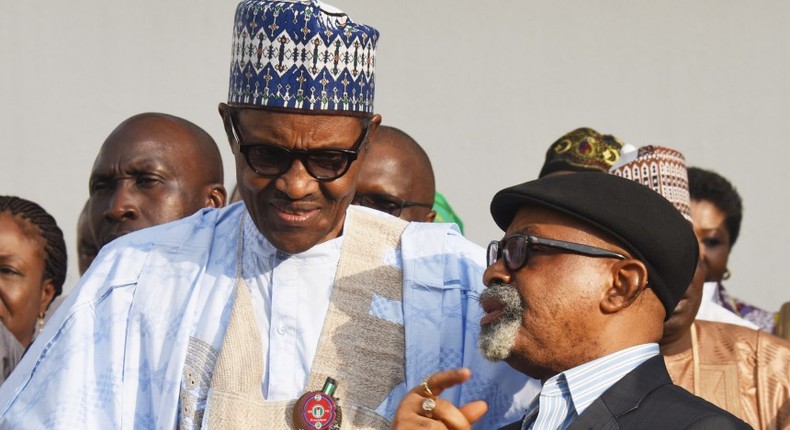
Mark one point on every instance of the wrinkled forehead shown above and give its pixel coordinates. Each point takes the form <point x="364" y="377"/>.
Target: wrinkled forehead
<point x="140" y="155"/>
<point x="149" y="142"/>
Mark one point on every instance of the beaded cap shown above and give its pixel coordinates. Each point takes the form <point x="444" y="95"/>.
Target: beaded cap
<point x="582" y="150"/>
<point x="303" y="55"/>
<point x="661" y="169"/>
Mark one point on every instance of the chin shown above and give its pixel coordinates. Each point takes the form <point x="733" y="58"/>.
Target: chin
<point x="291" y="246"/>
<point x="497" y="339"/>
<point x="288" y="239"/>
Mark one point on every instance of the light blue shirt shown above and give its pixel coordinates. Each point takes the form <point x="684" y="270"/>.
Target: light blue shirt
<point x="566" y="395"/>
<point x="290" y="296"/>
<point x="114" y="353"/>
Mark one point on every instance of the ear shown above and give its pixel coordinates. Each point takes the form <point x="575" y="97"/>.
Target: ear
<point x="629" y="279"/>
<point x="431" y="216"/>
<point x="224" y="112"/>
<point x="373" y="130"/>
<point x="47" y="294"/>
<point x="217" y="196"/>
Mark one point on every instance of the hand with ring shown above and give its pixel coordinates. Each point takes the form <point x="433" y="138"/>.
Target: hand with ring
<point x="422" y="409"/>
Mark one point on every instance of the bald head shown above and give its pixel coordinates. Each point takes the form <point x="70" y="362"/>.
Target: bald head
<point x="169" y="130"/>
<point x="397" y="166"/>
<point x="152" y="169"/>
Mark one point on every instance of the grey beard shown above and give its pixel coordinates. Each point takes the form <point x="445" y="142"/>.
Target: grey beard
<point x="498" y="338"/>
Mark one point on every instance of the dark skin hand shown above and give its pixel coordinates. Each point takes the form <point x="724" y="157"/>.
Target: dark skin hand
<point x="445" y="415"/>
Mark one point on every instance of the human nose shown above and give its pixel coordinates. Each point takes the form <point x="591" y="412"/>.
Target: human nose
<point x="496" y="273"/>
<point x="296" y="183"/>
<point x="703" y="251"/>
<point x="123" y="204"/>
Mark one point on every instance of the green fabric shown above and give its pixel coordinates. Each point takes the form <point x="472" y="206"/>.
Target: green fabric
<point x="445" y="213"/>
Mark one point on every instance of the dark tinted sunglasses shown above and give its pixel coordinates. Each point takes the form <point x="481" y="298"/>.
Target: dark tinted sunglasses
<point x="386" y="203"/>
<point x="516" y="249"/>
<point x="324" y="164"/>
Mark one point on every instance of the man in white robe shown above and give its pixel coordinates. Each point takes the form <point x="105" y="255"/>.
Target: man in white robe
<point x="223" y="319"/>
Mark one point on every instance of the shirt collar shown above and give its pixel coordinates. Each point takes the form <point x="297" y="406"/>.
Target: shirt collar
<point x="588" y="381"/>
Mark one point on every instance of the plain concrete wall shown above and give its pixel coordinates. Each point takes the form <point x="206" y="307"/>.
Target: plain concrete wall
<point x="484" y="86"/>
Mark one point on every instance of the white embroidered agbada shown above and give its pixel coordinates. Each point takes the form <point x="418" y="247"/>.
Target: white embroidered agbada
<point x="136" y="344"/>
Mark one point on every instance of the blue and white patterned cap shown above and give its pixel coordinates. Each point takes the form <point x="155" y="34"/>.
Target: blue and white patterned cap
<point x="303" y="55"/>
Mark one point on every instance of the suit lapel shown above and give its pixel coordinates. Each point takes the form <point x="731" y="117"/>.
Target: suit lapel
<point x="624" y="396"/>
<point x="513" y="426"/>
<point x="596" y="416"/>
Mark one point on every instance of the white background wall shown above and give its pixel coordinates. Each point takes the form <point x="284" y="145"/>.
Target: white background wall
<point x="484" y="86"/>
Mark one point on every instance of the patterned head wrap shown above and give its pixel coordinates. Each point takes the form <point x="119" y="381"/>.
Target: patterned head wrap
<point x="302" y="55"/>
<point x="583" y="150"/>
<point x="661" y="169"/>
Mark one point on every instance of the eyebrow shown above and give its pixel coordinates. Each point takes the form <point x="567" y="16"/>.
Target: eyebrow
<point x="137" y="166"/>
<point x="712" y="229"/>
<point x="11" y="258"/>
<point x="529" y="230"/>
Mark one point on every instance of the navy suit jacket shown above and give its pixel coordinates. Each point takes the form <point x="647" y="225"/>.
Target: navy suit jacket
<point x="646" y="398"/>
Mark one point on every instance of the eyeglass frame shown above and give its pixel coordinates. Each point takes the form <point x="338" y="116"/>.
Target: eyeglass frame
<point x="402" y="204"/>
<point x="299" y="154"/>
<point x="532" y="241"/>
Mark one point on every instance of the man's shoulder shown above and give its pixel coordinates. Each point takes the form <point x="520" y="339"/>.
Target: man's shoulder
<point x="441" y="237"/>
<point x="660" y="404"/>
<point x="723" y="330"/>
<point x="122" y="260"/>
<point x="743" y="340"/>
<point x="673" y="407"/>
<point x="178" y="231"/>
<point x="665" y="407"/>
<point x="437" y="254"/>
<point x="420" y="241"/>
<point x="195" y="231"/>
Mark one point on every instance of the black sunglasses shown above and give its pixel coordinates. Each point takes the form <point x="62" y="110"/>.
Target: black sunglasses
<point x="386" y="203"/>
<point x="516" y="249"/>
<point x="324" y="164"/>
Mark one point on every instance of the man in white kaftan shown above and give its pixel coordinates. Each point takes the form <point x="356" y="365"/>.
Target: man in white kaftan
<point x="155" y="306"/>
<point x="223" y="319"/>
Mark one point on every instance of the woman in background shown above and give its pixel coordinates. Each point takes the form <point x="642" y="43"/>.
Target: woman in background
<point x="717" y="211"/>
<point x="32" y="272"/>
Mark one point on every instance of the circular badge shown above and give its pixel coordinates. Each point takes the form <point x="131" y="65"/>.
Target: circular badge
<point x="318" y="411"/>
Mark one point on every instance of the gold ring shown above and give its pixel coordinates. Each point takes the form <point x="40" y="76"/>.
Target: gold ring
<point x="427" y="407"/>
<point x="426" y="388"/>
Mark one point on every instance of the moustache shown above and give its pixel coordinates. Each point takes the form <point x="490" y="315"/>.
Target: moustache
<point x="508" y="296"/>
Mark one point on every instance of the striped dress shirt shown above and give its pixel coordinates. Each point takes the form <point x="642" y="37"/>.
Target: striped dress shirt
<point x="566" y="395"/>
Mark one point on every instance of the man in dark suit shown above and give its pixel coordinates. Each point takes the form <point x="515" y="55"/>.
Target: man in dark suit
<point x="590" y="267"/>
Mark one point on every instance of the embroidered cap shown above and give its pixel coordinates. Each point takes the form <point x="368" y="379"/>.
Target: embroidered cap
<point x="303" y="55"/>
<point x="583" y="150"/>
<point x="661" y="169"/>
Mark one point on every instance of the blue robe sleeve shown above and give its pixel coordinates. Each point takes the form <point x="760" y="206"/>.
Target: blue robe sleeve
<point x="112" y="354"/>
<point x="71" y="375"/>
